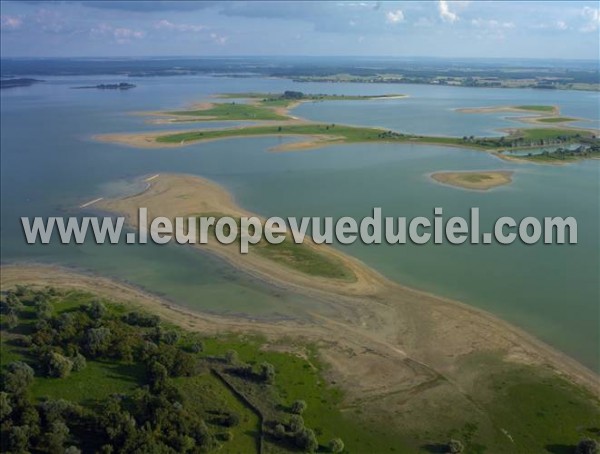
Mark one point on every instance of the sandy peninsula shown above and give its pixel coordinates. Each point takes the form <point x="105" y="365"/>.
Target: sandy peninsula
<point x="416" y="328"/>
<point x="476" y="180"/>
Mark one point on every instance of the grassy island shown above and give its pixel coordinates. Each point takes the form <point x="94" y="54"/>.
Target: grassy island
<point x="480" y="180"/>
<point x="271" y="111"/>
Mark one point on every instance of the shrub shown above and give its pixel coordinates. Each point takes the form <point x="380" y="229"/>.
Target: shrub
<point x="306" y="440"/>
<point x="57" y="365"/>
<point x="298" y="407"/>
<point x="455" y="446"/>
<point x="336" y="445"/>
<point x="79" y="362"/>
<point x="587" y="446"/>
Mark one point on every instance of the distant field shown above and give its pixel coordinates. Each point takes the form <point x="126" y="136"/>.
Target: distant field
<point x="535" y="108"/>
<point x="555" y="119"/>
<point x="548" y="133"/>
<point x="232" y="111"/>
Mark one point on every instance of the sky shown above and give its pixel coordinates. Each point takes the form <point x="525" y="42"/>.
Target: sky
<point x="441" y="28"/>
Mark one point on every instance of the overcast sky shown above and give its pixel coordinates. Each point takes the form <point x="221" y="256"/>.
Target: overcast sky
<point x="545" y="29"/>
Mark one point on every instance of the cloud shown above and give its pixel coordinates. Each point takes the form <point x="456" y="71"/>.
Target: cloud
<point x="167" y="25"/>
<point x="493" y="24"/>
<point x="592" y="18"/>
<point x="144" y="6"/>
<point x="393" y="17"/>
<point x="10" y="22"/>
<point x="50" y="21"/>
<point x="445" y="14"/>
<point x="219" y="39"/>
<point x="120" y="35"/>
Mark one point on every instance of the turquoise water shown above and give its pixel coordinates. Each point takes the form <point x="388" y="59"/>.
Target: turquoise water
<point x="50" y="165"/>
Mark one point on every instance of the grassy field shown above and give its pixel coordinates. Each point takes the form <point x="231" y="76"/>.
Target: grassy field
<point x="556" y="120"/>
<point x="232" y="111"/>
<point x="299" y="257"/>
<point x="548" y="133"/>
<point x="536" y="108"/>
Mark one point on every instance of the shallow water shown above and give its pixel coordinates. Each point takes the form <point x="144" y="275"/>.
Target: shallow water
<point x="50" y="166"/>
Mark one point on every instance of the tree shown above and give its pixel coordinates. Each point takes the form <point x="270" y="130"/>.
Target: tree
<point x="18" y="377"/>
<point x="306" y="440"/>
<point x="44" y="309"/>
<point x="455" y="446"/>
<point x="79" y="362"/>
<point x="171" y="337"/>
<point x="267" y="372"/>
<point x="5" y="406"/>
<point x="56" y="436"/>
<point x="158" y="374"/>
<point x="279" y="431"/>
<point x="298" y="407"/>
<point x="197" y="347"/>
<point x="232" y="357"/>
<point x="11" y="320"/>
<point x="587" y="446"/>
<point x="296" y="423"/>
<point x="18" y="439"/>
<point x="57" y="365"/>
<point x="97" y="340"/>
<point x="96" y="310"/>
<point x="336" y="445"/>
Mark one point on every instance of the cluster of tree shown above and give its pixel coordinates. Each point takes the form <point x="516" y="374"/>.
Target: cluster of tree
<point x="390" y="135"/>
<point x="513" y="142"/>
<point x="152" y="419"/>
<point x="294" y="432"/>
<point x="289" y="94"/>
<point x="264" y="372"/>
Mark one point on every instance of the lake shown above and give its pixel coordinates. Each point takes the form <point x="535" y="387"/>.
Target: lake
<point x="50" y="166"/>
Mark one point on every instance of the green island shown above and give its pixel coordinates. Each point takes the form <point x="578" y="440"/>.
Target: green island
<point x="274" y="108"/>
<point x="331" y="134"/>
<point x="476" y="180"/>
<point x="536" y="108"/>
<point x="81" y="374"/>
<point x="259" y="106"/>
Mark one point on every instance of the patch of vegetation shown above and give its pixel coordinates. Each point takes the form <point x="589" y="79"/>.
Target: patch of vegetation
<point x="299" y="257"/>
<point x="555" y="119"/>
<point x="85" y="375"/>
<point x="232" y="111"/>
<point x="522" y="139"/>
<point x="534" y="409"/>
<point x="82" y="374"/>
<point x="536" y="108"/>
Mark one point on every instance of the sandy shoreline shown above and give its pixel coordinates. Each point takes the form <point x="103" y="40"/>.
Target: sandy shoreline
<point x="389" y="314"/>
